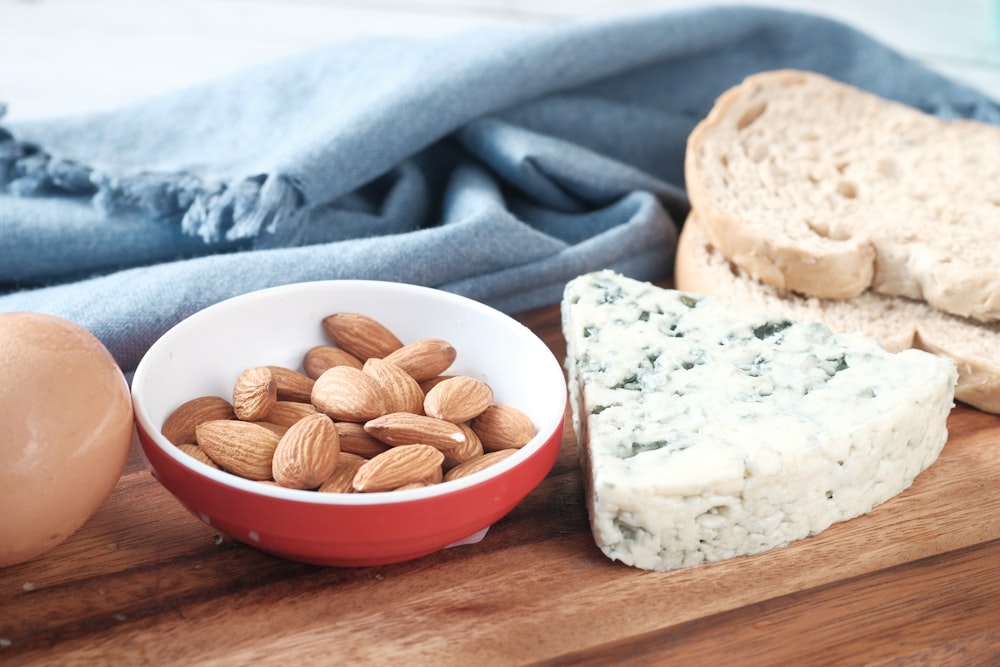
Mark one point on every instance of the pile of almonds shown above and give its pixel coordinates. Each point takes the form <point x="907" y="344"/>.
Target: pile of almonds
<point x="366" y="413"/>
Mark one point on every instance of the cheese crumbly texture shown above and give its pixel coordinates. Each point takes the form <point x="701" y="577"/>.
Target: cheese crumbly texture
<point x="708" y="431"/>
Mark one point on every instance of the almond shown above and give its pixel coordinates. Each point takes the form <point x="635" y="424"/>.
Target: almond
<point x="278" y="429"/>
<point x="343" y="474"/>
<point x="398" y="466"/>
<point x="292" y="385"/>
<point x="360" y="335"/>
<point x="423" y="359"/>
<point x="196" y="452"/>
<point x="240" y="447"/>
<point x="319" y="358"/>
<point x="472" y="448"/>
<point x="503" y="427"/>
<point x="179" y="426"/>
<point x="356" y="440"/>
<point x="430" y="383"/>
<point x="471" y="435"/>
<point x="478" y="463"/>
<point x="286" y="413"/>
<point x="436" y="478"/>
<point x="345" y="393"/>
<point x="404" y="428"/>
<point x="402" y="392"/>
<point x="413" y="485"/>
<point x="458" y="399"/>
<point x="254" y="393"/>
<point x="307" y="454"/>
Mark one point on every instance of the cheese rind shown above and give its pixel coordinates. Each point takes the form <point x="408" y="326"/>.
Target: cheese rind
<point x="708" y="431"/>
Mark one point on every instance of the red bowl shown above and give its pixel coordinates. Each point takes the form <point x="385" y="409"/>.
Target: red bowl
<point x="204" y="354"/>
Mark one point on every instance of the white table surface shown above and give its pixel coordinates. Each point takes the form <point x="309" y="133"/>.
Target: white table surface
<point x="65" y="56"/>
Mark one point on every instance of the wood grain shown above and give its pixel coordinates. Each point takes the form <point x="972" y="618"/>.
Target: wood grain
<point x="143" y="582"/>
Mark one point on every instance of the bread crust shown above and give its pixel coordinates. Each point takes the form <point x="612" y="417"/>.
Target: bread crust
<point x="897" y="323"/>
<point x="875" y="224"/>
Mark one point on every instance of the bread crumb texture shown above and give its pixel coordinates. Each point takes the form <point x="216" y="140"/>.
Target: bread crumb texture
<point x="790" y="165"/>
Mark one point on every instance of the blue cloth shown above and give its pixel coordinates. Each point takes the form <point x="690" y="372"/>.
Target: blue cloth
<point x="497" y="164"/>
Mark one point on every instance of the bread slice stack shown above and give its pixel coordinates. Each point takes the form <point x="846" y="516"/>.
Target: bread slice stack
<point x="817" y="200"/>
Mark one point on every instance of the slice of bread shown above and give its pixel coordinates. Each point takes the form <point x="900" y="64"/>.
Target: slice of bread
<point x="818" y="187"/>
<point x="896" y="322"/>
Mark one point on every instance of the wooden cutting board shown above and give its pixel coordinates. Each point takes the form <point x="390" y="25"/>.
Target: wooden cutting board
<point x="143" y="582"/>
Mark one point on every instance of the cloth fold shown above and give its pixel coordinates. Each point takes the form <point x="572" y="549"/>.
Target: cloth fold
<point x="497" y="163"/>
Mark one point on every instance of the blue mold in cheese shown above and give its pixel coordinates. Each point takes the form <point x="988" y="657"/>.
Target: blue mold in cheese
<point x="708" y="431"/>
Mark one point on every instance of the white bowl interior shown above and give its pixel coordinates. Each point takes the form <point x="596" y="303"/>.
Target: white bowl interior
<point x="204" y="354"/>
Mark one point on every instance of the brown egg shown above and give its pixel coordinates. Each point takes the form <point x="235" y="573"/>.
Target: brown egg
<point x="65" y="431"/>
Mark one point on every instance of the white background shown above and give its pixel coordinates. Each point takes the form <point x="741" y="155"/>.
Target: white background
<point x="65" y="56"/>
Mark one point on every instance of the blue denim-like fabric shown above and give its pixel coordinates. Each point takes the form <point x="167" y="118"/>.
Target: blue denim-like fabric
<point x="497" y="164"/>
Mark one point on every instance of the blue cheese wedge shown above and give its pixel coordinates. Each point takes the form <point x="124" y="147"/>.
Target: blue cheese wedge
<point x="708" y="431"/>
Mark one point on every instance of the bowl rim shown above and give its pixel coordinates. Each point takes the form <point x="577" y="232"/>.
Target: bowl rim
<point x="544" y="431"/>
